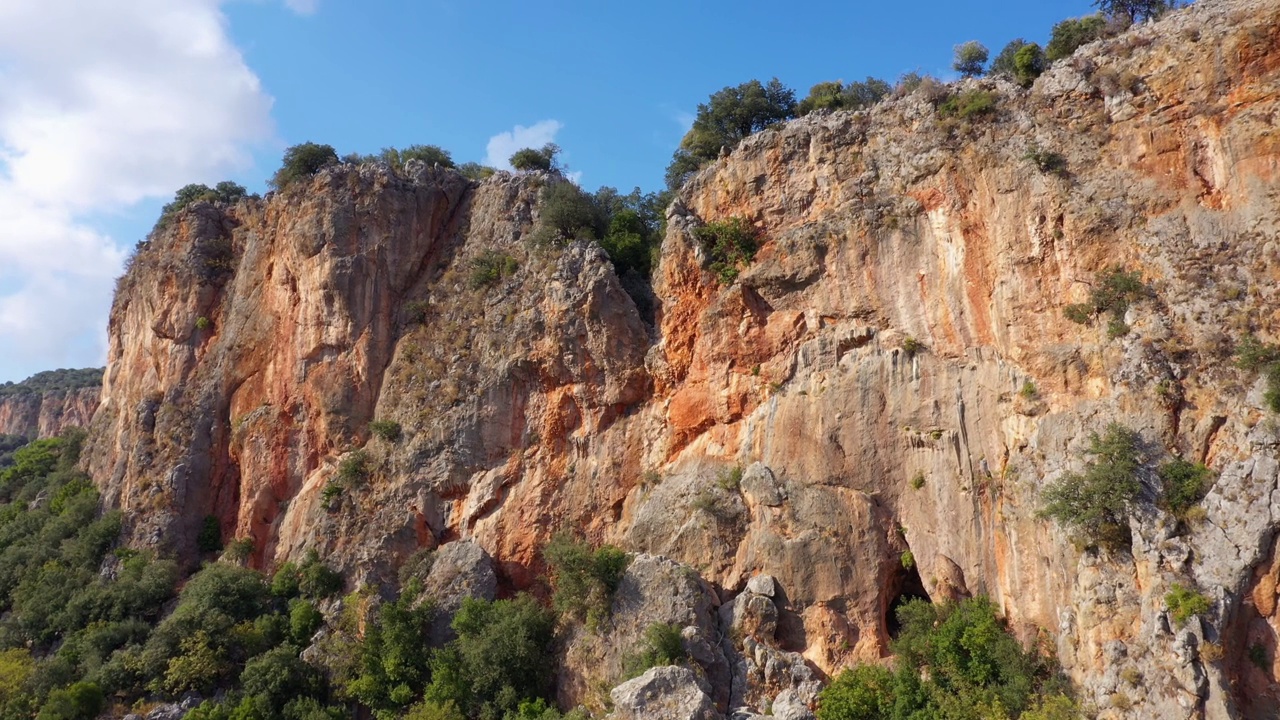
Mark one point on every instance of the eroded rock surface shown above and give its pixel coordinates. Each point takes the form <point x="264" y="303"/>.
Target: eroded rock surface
<point x="893" y="372"/>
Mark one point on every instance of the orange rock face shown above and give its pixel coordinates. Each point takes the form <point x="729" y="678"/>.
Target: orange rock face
<point x="47" y="414"/>
<point x="892" y="372"/>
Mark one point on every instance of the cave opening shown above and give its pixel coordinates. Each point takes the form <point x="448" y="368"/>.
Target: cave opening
<point x="907" y="586"/>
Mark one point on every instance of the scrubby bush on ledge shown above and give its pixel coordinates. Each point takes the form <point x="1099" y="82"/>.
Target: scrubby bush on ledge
<point x="1095" y="504"/>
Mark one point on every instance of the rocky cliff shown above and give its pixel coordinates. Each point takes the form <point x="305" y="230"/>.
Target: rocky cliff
<point x="45" y="414"/>
<point x="893" y="372"/>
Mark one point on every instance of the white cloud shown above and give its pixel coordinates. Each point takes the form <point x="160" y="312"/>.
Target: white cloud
<point x="503" y="145"/>
<point x="302" y="7"/>
<point x="103" y="105"/>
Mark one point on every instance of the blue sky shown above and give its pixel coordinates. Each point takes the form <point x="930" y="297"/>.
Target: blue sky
<point x="135" y="100"/>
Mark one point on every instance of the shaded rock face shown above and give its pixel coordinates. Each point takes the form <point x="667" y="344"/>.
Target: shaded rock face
<point x="40" y="415"/>
<point x="893" y="372"/>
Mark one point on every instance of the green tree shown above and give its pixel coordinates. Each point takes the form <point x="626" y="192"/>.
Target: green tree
<point x="429" y="154"/>
<point x="1019" y="61"/>
<point x="865" y="692"/>
<point x="838" y="96"/>
<point x="301" y="162"/>
<point x="1071" y="33"/>
<point x="1095" y="504"/>
<point x="970" y="58"/>
<point x="503" y="655"/>
<point x="565" y="214"/>
<point x="725" y="119"/>
<point x="529" y="159"/>
<point x="1133" y="10"/>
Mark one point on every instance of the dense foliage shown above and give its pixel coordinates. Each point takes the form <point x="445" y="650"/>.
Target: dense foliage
<point x="1071" y="33"/>
<point x="543" y="158"/>
<point x="302" y="162"/>
<point x="1113" y="293"/>
<point x="1095" y="504"/>
<point x="725" y="119"/>
<point x="54" y="381"/>
<point x="838" y="96"/>
<point x="584" y="579"/>
<point x="729" y="244"/>
<point x="225" y="192"/>
<point x="970" y="59"/>
<point x="954" y="661"/>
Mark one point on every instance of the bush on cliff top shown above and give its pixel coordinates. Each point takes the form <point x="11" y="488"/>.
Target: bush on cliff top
<point x="302" y="162"/>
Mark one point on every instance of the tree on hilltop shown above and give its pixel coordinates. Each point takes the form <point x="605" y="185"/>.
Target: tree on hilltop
<point x="970" y="58"/>
<point x="1133" y="10"/>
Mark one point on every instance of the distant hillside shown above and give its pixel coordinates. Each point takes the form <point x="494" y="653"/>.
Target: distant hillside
<point x="53" y="381"/>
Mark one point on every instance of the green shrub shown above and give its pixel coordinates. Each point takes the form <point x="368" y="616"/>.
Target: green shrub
<point x="729" y="245"/>
<point x="239" y="550"/>
<point x="908" y="559"/>
<point x="417" y="311"/>
<point x="330" y="493"/>
<point x="1047" y="161"/>
<point x="838" y="96"/>
<point x="427" y="710"/>
<point x="912" y="347"/>
<point x="277" y="676"/>
<point x="969" y="104"/>
<point x="504" y="654"/>
<point x="917" y="481"/>
<point x="1070" y="34"/>
<point x="1113" y="293"/>
<point x="81" y="701"/>
<point x="730" y="479"/>
<point x="970" y="58"/>
<point x="209" y="539"/>
<point x="429" y="154"/>
<point x="476" y="171"/>
<point x="1253" y="354"/>
<point x="388" y="430"/>
<point x="865" y="692"/>
<point x="225" y="192"/>
<point x="491" y="266"/>
<point x="390" y="669"/>
<point x="203" y="323"/>
<point x="1185" y="484"/>
<point x="1028" y="64"/>
<point x="1272" y="395"/>
<point x="302" y="162"/>
<point x="354" y="468"/>
<point x="584" y="580"/>
<point x="1184" y="603"/>
<point x="1029" y="390"/>
<point x="1095" y="504"/>
<point x="725" y="119"/>
<point x="529" y="159"/>
<point x="565" y="214"/>
<point x="954" y="660"/>
<point x="662" y="644"/>
<point x="1133" y="10"/>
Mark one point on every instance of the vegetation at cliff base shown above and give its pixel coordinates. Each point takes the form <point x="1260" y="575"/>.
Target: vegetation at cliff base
<point x="584" y="580"/>
<point x="954" y="661"/>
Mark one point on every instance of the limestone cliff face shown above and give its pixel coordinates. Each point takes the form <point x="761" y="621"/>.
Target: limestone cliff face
<point x="46" y="414"/>
<point x="252" y="346"/>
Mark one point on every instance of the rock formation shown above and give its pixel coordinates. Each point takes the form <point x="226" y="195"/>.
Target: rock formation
<point x="893" y="372"/>
<point x="45" y="414"/>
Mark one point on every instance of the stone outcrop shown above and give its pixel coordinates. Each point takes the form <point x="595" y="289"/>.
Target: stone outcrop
<point x="46" y="414"/>
<point x="893" y="372"/>
<point x="663" y="693"/>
